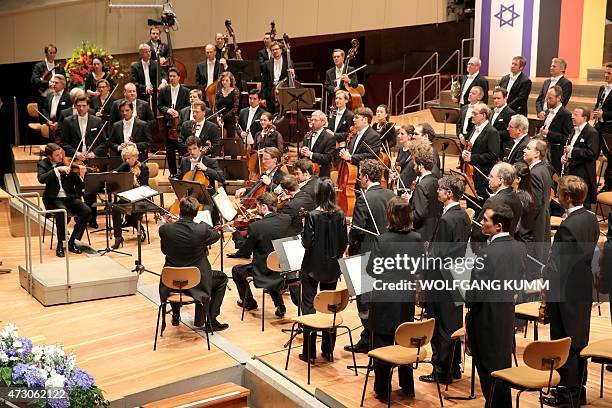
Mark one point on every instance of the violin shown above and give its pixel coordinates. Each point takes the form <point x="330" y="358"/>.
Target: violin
<point x="347" y="178"/>
<point x="259" y="187"/>
<point x="282" y="199"/>
<point x="175" y="128"/>
<point x="136" y="171"/>
<point x="468" y="168"/>
<point x="76" y="165"/>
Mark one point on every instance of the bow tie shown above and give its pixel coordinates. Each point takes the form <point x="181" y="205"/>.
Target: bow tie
<point x="471" y="76"/>
<point x="576" y="129"/>
<point x="608" y="87"/>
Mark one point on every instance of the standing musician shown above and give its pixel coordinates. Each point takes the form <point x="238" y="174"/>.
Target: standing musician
<point x="296" y="199"/>
<point x="141" y="108"/>
<point x="187" y="113"/>
<point x="222" y="50"/>
<point x="465" y="124"/>
<point x="518" y="126"/>
<point x="370" y="215"/>
<point x="98" y="73"/>
<point x="490" y="321"/>
<point x="185" y="243"/>
<point x="130" y="164"/>
<point x="261" y="233"/>
<point x="449" y="242"/>
<point x="63" y="189"/>
<point x="103" y="101"/>
<point x="341" y="119"/>
<point x="144" y="75"/>
<point x="44" y="71"/>
<point x="570" y="297"/>
<point x="557" y="126"/>
<point x="248" y="118"/>
<point x="485" y="147"/>
<point x="70" y="110"/>
<point x="335" y="76"/>
<point x="273" y="71"/>
<point x="518" y="85"/>
<point x="473" y="79"/>
<point x="308" y="182"/>
<point x="203" y="129"/>
<point x="172" y="99"/>
<point x="357" y="150"/>
<point x="557" y="70"/>
<point x="581" y="152"/>
<point x="270" y="158"/>
<point x="268" y="136"/>
<point x="228" y="99"/>
<point x="129" y="131"/>
<point x="56" y="100"/>
<point x="385" y="129"/>
<point x="265" y="54"/>
<point x="319" y="145"/>
<point x="603" y="116"/>
<point x="208" y="71"/>
<point x="404" y="159"/>
<point x="500" y="118"/>
<point x="158" y="48"/>
<point x="425" y="132"/>
<point x="197" y="160"/>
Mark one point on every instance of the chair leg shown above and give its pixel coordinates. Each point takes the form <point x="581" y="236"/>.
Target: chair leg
<point x="308" y="351"/>
<point x="88" y="238"/>
<point x="263" y="308"/>
<point x="331" y="340"/>
<point x="243" y="304"/>
<point x="147" y="226"/>
<point x="365" y="384"/>
<point x="157" y="327"/>
<point x="600" y="382"/>
<point x="518" y="398"/>
<point x="526" y="327"/>
<point x="389" y="388"/>
<point x="163" y="325"/>
<point x="514" y="351"/>
<point x="569" y="394"/>
<point x="435" y="373"/>
<point x="52" y="232"/>
<point x="541" y="396"/>
<point x="289" y="349"/>
<point x="352" y="351"/>
<point x="535" y="330"/>
<point x="582" y="379"/>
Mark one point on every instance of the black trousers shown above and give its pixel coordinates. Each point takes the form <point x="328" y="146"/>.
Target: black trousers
<point x="201" y="293"/>
<point x="383" y="370"/>
<point x="240" y="274"/>
<point x="90" y="200"/>
<point x="74" y="206"/>
<point x="229" y="124"/>
<point x="172" y="147"/>
<point x="362" y="308"/>
<point x="608" y="154"/>
<point x="449" y="318"/>
<point x="309" y="291"/>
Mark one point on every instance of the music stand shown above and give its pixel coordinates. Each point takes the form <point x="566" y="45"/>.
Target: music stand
<point x="96" y="183"/>
<point x="534" y="126"/>
<point x="234" y="169"/>
<point x="444" y="115"/>
<point x="295" y="99"/>
<point x="447" y="144"/>
<point x="185" y="188"/>
<point x="105" y="163"/>
<point x="233" y="147"/>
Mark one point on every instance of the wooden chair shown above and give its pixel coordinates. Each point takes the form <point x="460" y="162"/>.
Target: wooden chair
<point x="53" y="216"/>
<point x="409" y="349"/>
<point x="542" y="359"/>
<point x="328" y="304"/>
<point x="530" y="312"/>
<point x="603" y="199"/>
<point x="180" y="280"/>
<point x="599" y="352"/>
<point x="471" y="213"/>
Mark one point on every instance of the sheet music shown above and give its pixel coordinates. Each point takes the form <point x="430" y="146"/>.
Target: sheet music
<point x="353" y="269"/>
<point x="224" y="205"/>
<point x="204" y="216"/>
<point x="290" y="252"/>
<point x="139" y="193"/>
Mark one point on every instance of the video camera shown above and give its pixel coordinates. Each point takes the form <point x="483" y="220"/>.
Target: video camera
<point x="168" y="17"/>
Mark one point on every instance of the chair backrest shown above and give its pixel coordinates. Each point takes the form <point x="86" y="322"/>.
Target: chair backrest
<point x="470" y="212"/>
<point x="331" y="301"/>
<point x="44" y="131"/>
<point x="32" y="110"/>
<point x="415" y="334"/>
<point x="153" y="169"/>
<point x="547" y="355"/>
<point x="273" y="263"/>
<point x="180" y="278"/>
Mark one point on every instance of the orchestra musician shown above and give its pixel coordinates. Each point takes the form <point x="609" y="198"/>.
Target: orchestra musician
<point x="518" y="85"/>
<point x="144" y="75"/>
<point x="270" y="158"/>
<point x="203" y="129"/>
<point x="197" y="159"/>
<point x="474" y="78"/>
<point x="63" y="189"/>
<point x="221" y="48"/>
<point x="366" y="143"/>
<point x="342" y="119"/>
<point x="524" y="231"/>
<point x="265" y="54"/>
<point x="569" y="300"/>
<point x="209" y="70"/>
<point x="490" y="320"/>
<point x="130" y="164"/>
<point x="158" y="48"/>
<point x="319" y="145"/>
<point x="69" y="111"/>
<point x="557" y="70"/>
<point x="273" y="71"/>
<point x="557" y="126"/>
<point x="465" y="124"/>
<point x="385" y="129"/>
<point x="268" y="136"/>
<point x="187" y="113"/>
<point x="142" y="109"/>
<point x="56" y="100"/>
<point x="518" y="126"/>
<point x="129" y="131"/>
<point x="172" y="99"/>
<point x="500" y="118"/>
<point x="324" y="240"/>
<point x="44" y="70"/>
<point x="369" y="221"/>
<point x="449" y="242"/>
<point x="424" y="131"/>
<point x="387" y="309"/>
<point x="98" y="73"/>
<point x="185" y="243"/>
<point x="297" y="199"/>
<point x="103" y="98"/>
<point x="602" y="113"/>
<point x="581" y="152"/>
<point x="248" y="118"/>
<point x="260" y="235"/>
<point x="227" y="98"/>
<point x="335" y="76"/>
<point x="308" y="182"/>
<point x="404" y="159"/>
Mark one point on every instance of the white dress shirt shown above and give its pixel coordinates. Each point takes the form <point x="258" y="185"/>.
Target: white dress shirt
<point x="449" y="206"/>
<point x="496" y="112"/>
<point x="83" y="127"/>
<point x="174" y="90"/>
<point x="61" y="193"/>
<point x="278" y="69"/>
<point x="516" y="143"/>
<point x="199" y="127"/>
<point x="54" y="103"/>
<point x="571" y="210"/>
<point x="477" y="130"/>
<point x="553" y="82"/>
<point x="128" y="125"/>
<point x="532" y="165"/>
<point x="252" y="111"/>
<point x="145" y="68"/>
<point x="511" y="81"/>
<point x="358" y="138"/>
<point x="551" y="115"/>
<point x="210" y="71"/>
<point x="314" y="139"/>
<point x="577" y="131"/>
<point x="467" y="119"/>
<point x="338" y="75"/>
<point x="468" y="81"/>
<point x="338" y="117"/>
<point x="498" y="235"/>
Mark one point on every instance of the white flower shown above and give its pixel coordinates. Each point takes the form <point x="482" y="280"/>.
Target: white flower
<point x="37" y="352"/>
<point x="3" y="357"/>
<point x="10" y="331"/>
<point x="42" y="373"/>
<point x="55" y="381"/>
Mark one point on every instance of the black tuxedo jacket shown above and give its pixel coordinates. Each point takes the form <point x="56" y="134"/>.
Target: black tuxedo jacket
<point x="426" y="208"/>
<point x="485" y="150"/>
<point x="72" y="183"/>
<point x="141" y="136"/>
<point x="407" y="173"/>
<point x="186" y="114"/>
<point x="71" y="136"/>
<point x="330" y="79"/>
<point x="143" y="112"/>
<point x="96" y="104"/>
<point x="243" y="118"/>
<point x="163" y="50"/>
<point x="606" y="107"/>
<point x="501" y="124"/>
<point x="360" y="151"/>
<point x="583" y="158"/>
<point x="377" y="198"/>
<point x="165" y="102"/>
<point x="566" y="87"/>
<point x="517" y="153"/>
<point x="541" y="184"/>
<point x="559" y="130"/>
<point x="64" y="114"/>
<point x="143" y="178"/>
<point x="518" y="96"/>
<point x="461" y="121"/>
<point x="209" y="132"/>
<point x="213" y="171"/>
<point x="64" y="103"/>
<point x="311" y="186"/>
<point x="263" y="56"/>
<point x="345" y="123"/>
<point x="301" y="200"/>
<point x="480" y="81"/>
<point x="504" y="196"/>
<point x="202" y="73"/>
<point x="267" y="77"/>
<point x="323" y="151"/>
<point x="39" y="84"/>
<point x="138" y="78"/>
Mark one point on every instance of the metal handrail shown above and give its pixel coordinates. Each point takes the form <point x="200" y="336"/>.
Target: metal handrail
<point x="390" y="98"/>
<point x="405" y="83"/>
<point x="418" y="71"/>
<point x="436" y="81"/>
<point x="463" y="57"/>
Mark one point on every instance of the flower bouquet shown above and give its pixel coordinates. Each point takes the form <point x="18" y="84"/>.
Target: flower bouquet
<point x="43" y="376"/>
<point x="81" y="64"/>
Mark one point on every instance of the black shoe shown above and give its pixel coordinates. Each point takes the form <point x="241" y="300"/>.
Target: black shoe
<point x="408" y="392"/>
<point x="118" y="243"/>
<point x="249" y="306"/>
<point x="94" y="224"/>
<point x="360" y="347"/>
<point x="561" y="399"/>
<point x="237" y="255"/>
<point x="327" y="356"/>
<point x="143" y="234"/>
<point x="280" y="311"/>
<point x="305" y="359"/>
<point x="73" y="248"/>
<point x="59" y="251"/>
<point x="432" y="379"/>
<point x="176" y="319"/>
<point x="457" y="375"/>
<point x="216" y="326"/>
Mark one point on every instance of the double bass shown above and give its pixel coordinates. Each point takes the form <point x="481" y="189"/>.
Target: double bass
<point x="347" y="178"/>
<point x="355" y="94"/>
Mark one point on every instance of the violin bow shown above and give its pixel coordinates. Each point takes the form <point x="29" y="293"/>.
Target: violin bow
<point x="96" y="138"/>
<point x="370" y="211"/>
<point x="107" y="99"/>
<point x="392" y="170"/>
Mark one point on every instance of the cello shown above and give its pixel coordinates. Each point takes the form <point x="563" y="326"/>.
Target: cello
<point x="193" y="175"/>
<point x="355" y="94"/>
<point x="347" y="178"/>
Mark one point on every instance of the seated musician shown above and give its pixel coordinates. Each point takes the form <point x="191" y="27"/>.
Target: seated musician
<point x="296" y="199"/>
<point x="56" y="100"/>
<point x="268" y="136"/>
<point x="142" y="109"/>
<point x="197" y="159"/>
<point x="271" y="176"/>
<point x="102" y="103"/>
<point x="205" y="130"/>
<point x="335" y="77"/>
<point x="129" y="130"/>
<point x="62" y="191"/>
<point x="187" y="113"/>
<point x="341" y="119"/>
<point x="185" y="243"/>
<point x="320" y="145"/>
<point x="261" y="233"/>
<point x="303" y="170"/>
<point x="248" y="118"/>
<point x="141" y="178"/>
<point x="366" y="143"/>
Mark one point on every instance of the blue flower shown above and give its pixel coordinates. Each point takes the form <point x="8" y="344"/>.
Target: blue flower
<point x="79" y="378"/>
<point x="29" y="374"/>
<point x="26" y="347"/>
<point x="59" y="402"/>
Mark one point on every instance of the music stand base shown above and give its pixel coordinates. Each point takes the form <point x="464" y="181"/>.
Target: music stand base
<point x="140" y="269"/>
<point x="105" y="251"/>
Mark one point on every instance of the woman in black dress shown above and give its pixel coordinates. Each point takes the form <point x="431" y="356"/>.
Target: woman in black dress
<point x="100" y="100"/>
<point x="268" y="136"/>
<point x="524" y="231"/>
<point x="325" y="239"/>
<point x="227" y="97"/>
<point x="98" y="73"/>
<point x="404" y="159"/>
<point x="385" y="129"/>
